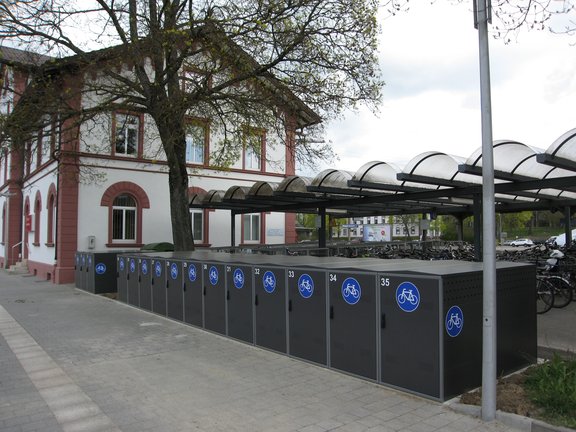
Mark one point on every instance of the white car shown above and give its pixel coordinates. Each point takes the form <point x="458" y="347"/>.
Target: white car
<point x="561" y="239"/>
<point x="522" y="242"/>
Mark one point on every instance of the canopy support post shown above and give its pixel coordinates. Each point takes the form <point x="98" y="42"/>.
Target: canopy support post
<point x="567" y="226"/>
<point x="232" y="229"/>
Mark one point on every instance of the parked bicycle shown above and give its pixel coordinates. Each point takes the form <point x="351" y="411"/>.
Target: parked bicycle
<point x="544" y="294"/>
<point x="563" y="289"/>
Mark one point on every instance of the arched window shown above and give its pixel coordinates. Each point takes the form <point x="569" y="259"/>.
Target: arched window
<point x="51" y="219"/>
<point x="125" y="202"/>
<point x="124" y="219"/>
<point x="4" y="223"/>
<point x="37" y="213"/>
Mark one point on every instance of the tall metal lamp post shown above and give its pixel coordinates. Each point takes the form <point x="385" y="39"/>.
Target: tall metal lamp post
<point x="482" y="16"/>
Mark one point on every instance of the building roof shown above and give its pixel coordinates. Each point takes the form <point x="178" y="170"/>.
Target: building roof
<point x="280" y="92"/>
<point x="22" y="58"/>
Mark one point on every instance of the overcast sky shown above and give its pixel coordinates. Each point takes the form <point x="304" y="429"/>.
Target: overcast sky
<point x="429" y="60"/>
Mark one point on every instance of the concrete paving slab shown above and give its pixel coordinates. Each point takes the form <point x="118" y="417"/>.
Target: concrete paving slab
<point x="95" y="364"/>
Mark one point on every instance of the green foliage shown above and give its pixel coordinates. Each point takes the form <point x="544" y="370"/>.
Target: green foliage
<point x="516" y="220"/>
<point x="552" y="386"/>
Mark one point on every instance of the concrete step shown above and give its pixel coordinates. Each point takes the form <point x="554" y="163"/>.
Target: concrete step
<point x="21" y="267"/>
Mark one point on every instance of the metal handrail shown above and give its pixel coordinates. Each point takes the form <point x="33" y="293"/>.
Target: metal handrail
<point x="12" y="252"/>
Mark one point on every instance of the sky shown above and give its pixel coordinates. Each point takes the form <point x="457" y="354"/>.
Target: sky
<point x="431" y="100"/>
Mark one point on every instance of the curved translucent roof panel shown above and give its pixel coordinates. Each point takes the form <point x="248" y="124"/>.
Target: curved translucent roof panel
<point x="517" y="161"/>
<point x="263" y="188"/>
<point x="332" y="178"/>
<point x="564" y="147"/>
<point x="196" y="198"/>
<point x="294" y="184"/>
<point x="440" y="166"/>
<point x="378" y="173"/>
<point x="237" y="192"/>
<point x="213" y="196"/>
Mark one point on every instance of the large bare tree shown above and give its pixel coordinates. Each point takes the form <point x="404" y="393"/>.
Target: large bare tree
<point x="322" y="51"/>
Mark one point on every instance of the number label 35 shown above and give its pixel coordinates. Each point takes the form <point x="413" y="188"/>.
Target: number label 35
<point x="384" y="281"/>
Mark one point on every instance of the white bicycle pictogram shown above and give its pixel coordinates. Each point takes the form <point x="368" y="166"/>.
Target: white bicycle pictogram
<point x="407" y="295"/>
<point x="305" y="285"/>
<point x="238" y="278"/>
<point x="269" y="281"/>
<point x="213" y="275"/>
<point x="454" y="321"/>
<point x="351" y="290"/>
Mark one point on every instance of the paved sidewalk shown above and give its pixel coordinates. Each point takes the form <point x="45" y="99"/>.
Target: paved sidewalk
<point x="71" y="361"/>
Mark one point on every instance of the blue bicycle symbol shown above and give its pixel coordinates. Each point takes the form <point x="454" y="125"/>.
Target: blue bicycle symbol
<point x="351" y="291"/>
<point x="158" y="269"/>
<point x="454" y="321"/>
<point x="238" y="278"/>
<point x="192" y="272"/>
<point x="132" y="266"/>
<point x="121" y="264"/>
<point x="407" y="296"/>
<point x="306" y="286"/>
<point x="144" y="267"/>
<point x="269" y="282"/>
<point x="213" y="275"/>
<point x="100" y="268"/>
<point x="174" y="271"/>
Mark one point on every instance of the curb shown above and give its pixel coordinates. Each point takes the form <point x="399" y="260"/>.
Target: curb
<point x="516" y="421"/>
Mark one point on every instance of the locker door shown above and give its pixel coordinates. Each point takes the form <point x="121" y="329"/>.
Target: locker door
<point x="239" y="302"/>
<point x="410" y="333"/>
<point x="307" y="315"/>
<point x="353" y="341"/>
<point x="192" y="287"/>
<point x="270" y="305"/>
<point x="214" y="281"/>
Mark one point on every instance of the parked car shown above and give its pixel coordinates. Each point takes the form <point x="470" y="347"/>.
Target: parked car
<point x="551" y="241"/>
<point x="561" y="239"/>
<point x="522" y="242"/>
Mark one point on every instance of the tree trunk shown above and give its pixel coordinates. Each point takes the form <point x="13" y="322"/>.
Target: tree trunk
<point x="174" y="142"/>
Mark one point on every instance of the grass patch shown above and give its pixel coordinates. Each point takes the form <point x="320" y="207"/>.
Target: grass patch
<point x="552" y="387"/>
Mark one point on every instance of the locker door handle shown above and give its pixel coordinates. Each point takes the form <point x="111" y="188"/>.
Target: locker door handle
<point x="256" y="300"/>
<point x="152" y="282"/>
<point x="127" y="276"/>
<point x="139" y="278"/>
<point x="331" y="312"/>
<point x="204" y="292"/>
<point x="184" y="287"/>
<point x="227" y="295"/>
<point x="383" y="321"/>
<point x="289" y="305"/>
<point x="117" y="275"/>
<point x="167" y="284"/>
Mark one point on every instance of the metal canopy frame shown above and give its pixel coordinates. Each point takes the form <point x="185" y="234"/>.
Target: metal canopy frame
<point x="381" y="188"/>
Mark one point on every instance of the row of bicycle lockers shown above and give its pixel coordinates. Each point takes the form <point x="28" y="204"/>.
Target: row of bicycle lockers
<point x="409" y="324"/>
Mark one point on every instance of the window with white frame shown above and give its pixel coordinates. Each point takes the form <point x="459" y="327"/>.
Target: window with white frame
<point x="195" y="143"/>
<point x="251" y="230"/>
<point x="124" y="219"/>
<point x="253" y="145"/>
<point x="127" y="129"/>
<point x="197" y="218"/>
<point x="45" y="143"/>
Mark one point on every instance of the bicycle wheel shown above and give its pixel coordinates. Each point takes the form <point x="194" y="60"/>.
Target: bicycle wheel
<point x="562" y="291"/>
<point x="544" y="296"/>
